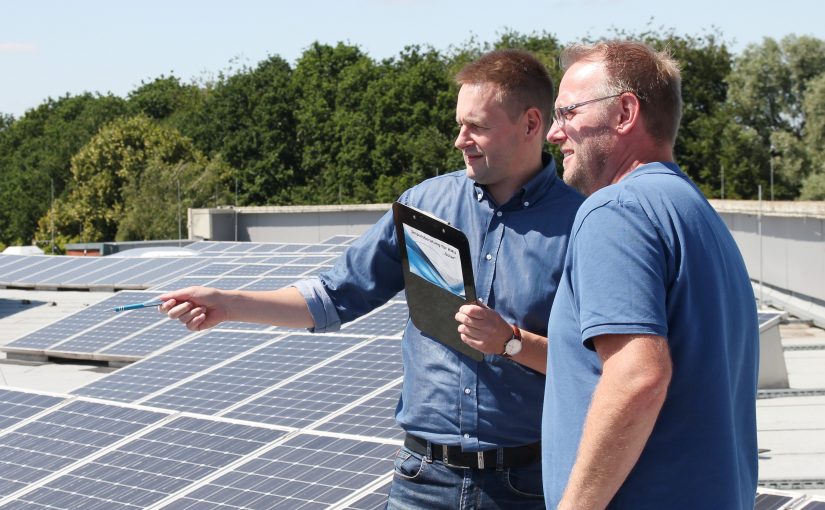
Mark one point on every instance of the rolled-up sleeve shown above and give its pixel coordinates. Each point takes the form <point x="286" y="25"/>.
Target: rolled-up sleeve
<point x="320" y="305"/>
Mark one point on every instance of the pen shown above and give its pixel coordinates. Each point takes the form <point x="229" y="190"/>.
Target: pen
<point x="135" y="306"/>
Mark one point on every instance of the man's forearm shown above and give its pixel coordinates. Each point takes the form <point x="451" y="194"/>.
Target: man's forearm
<point x="283" y="307"/>
<point x="534" y="351"/>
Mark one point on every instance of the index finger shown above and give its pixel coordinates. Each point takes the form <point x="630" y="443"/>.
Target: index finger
<point x="472" y="310"/>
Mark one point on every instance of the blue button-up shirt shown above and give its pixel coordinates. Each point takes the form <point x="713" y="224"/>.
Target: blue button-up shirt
<point x="518" y="252"/>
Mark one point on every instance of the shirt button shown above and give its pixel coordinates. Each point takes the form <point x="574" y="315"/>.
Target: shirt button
<point x="479" y="196"/>
<point x="481" y="300"/>
<point x="488" y="257"/>
<point x="466" y="436"/>
<point x="466" y="391"/>
<point x="526" y="204"/>
<point x="499" y="214"/>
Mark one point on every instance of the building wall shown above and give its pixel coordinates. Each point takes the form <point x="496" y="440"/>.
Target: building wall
<point x="291" y="224"/>
<point x="789" y="255"/>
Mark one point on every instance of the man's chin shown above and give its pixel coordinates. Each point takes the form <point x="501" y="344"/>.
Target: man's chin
<point x="474" y="175"/>
<point x="576" y="181"/>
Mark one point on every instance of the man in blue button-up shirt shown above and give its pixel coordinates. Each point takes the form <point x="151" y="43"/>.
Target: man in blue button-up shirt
<point x="472" y="427"/>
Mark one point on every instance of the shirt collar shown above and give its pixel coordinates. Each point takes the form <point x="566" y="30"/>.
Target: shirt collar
<point x="533" y="190"/>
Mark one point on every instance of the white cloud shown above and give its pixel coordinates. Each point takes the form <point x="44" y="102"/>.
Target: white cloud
<point x="17" y="47"/>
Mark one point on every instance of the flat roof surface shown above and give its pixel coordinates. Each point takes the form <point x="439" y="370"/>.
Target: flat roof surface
<point x="791" y="425"/>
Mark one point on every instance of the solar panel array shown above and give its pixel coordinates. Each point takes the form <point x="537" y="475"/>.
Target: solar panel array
<point x="98" y="334"/>
<point x="240" y="416"/>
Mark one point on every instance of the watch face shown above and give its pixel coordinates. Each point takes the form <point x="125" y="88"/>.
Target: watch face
<point x="513" y="347"/>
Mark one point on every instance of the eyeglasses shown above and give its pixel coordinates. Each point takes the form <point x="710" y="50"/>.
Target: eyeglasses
<point x="560" y="114"/>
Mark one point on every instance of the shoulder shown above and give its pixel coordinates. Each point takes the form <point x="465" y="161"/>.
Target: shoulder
<point x="429" y="190"/>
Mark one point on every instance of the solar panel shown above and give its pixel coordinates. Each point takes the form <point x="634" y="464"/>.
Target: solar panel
<point x="153" y="466"/>
<point x="765" y="317"/>
<point x="315" y="248"/>
<point x="813" y="505"/>
<point x="292" y="247"/>
<point x="248" y="269"/>
<point x="27" y="274"/>
<point x="149" y="340"/>
<point x="373" y="417"/>
<point x="390" y="319"/>
<point x="16" y="406"/>
<point x="264" y="248"/>
<point x="312" y="260"/>
<point x="232" y="282"/>
<point x="316" y="271"/>
<point x="107" y="270"/>
<point x="327" y="388"/>
<point x="164" y="270"/>
<point x="288" y="270"/>
<point x="115" y="327"/>
<point x="75" y="323"/>
<point x="11" y="262"/>
<point x="375" y="499"/>
<point x="213" y="269"/>
<point x="767" y="499"/>
<point x="145" y="377"/>
<point x="251" y="374"/>
<point x="182" y="282"/>
<point x="340" y="239"/>
<point x="72" y="266"/>
<point x="306" y="472"/>
<point x="62" y="437"/>
<point x="270" y="283"/>
<point x="275" y="260"/>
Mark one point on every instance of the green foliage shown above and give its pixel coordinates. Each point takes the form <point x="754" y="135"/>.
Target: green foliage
<point x="776" y="89"/>
<point x="340" y="127"/>
<point x="124" y="184"/>
<point x="248" y="119"/>
<point x="35" y="154"/>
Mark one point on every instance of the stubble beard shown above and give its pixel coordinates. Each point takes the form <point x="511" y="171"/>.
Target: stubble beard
<point x="591" y="163"/>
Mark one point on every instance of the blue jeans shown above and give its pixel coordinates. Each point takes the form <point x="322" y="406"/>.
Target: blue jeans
<point x="418" y="484"/>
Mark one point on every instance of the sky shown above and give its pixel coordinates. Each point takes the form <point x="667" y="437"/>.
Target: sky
<point x="50" y="48"/>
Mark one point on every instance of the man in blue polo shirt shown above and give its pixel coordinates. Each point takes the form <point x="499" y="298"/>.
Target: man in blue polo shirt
<point x="472" y="427"/>
<point x="653" y="337"/>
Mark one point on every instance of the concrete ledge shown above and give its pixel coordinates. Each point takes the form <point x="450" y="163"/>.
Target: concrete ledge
<point x="804" y="309"/>
<point x="788" y="209"/>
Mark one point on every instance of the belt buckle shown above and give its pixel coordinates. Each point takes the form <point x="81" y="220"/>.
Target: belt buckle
<point x="444" y="455"/>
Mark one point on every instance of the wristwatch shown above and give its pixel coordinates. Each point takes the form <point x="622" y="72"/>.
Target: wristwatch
<point x="513" y="345"/>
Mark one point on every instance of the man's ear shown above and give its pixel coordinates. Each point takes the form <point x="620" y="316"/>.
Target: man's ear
<point x="629" y="115"/>
<point x="534" y="121"/>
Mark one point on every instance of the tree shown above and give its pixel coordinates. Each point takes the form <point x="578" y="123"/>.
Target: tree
<point x="35" y="155"/>
<point x="248" y="120"/>
<point x="330" y="125"/>
<point x="412" y="107"/>
<point x="769" y="85"/>
<point x="122" y="183"/>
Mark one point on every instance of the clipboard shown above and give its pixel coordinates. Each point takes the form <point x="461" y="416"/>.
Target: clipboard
<point x="438" y="274"/>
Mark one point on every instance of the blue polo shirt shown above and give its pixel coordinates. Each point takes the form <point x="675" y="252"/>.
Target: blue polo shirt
<point x="649" y="255"/>
<point x="518" y="251"/>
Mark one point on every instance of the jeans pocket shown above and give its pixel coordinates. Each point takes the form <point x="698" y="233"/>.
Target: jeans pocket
<point x="525" y="481"/>
<point x="408" y="465"/>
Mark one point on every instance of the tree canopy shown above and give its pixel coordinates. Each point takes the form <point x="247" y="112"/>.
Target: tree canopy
<point x="340" y="127"/>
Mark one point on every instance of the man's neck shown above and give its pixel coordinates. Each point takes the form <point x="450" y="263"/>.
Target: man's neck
<point x="504" y="190"/>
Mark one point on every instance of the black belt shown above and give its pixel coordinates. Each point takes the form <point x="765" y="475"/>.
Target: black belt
<point x="517" y="456"/>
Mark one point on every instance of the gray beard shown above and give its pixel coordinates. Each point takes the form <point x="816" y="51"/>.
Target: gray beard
<point x="592" y="163"/>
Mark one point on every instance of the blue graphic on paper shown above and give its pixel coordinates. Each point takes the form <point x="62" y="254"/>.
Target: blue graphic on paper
<point x="435" y="261"/>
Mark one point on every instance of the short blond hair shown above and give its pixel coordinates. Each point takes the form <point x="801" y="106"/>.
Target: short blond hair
<point x="521" y="79"/>
<point x="652" y="76"/>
